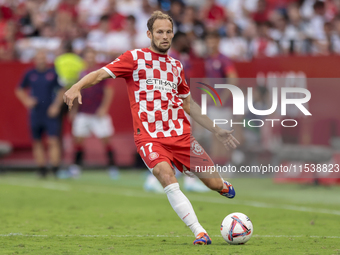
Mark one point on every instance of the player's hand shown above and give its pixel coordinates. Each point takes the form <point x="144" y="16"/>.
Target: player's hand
<point x="70" y="95"/>
<point x="226" y="137"/>
<point x="30" y="102"/>
<point x="101" y="112"/>
<point x="53" y="111"/>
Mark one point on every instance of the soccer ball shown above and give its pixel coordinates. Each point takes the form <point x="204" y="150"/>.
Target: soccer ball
<point x="236" y="228"/>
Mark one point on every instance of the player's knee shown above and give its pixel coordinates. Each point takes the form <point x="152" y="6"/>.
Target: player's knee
<point x="162" y="168"/>
<point x="164" y="173"/>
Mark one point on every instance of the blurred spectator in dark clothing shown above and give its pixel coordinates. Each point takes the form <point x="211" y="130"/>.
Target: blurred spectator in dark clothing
<point x="44" y="102"/>
<point x="25" y="22"/>
<point x="176" y="12"/>
<point x="295" y="42"/>
<point x="164" y="5"/>
<point x="191" y="25"/>
<point x="38" y="14"/>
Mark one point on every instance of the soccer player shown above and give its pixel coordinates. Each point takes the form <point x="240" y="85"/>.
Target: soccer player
<point x="159" y="95"/>
<point x="44" y="102"/>
<point x="92" y="116"/>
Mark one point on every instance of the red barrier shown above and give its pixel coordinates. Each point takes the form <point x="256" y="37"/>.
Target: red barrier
<point x="13" y="115"/>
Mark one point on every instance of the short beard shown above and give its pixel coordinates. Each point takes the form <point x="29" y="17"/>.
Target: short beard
<point x="153" y="45"/>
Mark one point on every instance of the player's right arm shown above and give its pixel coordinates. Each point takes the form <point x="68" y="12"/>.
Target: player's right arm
<point x="121" y="67"/>
<point x="87" y="81"/>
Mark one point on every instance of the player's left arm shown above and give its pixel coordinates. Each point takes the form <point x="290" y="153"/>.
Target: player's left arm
<point x="106" y="102"/>
<point x="194" y="110"/>
<point x="223" y="135"/>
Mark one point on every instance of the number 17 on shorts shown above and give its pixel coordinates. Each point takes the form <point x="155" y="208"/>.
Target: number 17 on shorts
<point x="153" y="153"/>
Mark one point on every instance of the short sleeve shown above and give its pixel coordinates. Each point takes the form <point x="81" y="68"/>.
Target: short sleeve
<point x="121" y="66"/>
<point x="25" y="81"/>
<point x="183" y="88"/>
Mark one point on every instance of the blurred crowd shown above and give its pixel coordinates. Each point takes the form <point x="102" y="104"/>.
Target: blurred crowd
<point x="248" y="28"/>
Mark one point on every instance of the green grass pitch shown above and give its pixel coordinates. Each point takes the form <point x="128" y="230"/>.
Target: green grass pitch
<point x="97" y="215"/>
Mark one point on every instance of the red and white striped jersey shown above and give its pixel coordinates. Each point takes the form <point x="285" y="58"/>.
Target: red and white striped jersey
<point x="156" y="87"/>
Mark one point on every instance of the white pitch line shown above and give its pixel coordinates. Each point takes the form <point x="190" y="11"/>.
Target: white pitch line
<point x="160" y="236"/>
<point x="247" y="203"/>
<point x="287" y="207"/>
<point x="64" y="187"/>
<point x="19" y="234"/>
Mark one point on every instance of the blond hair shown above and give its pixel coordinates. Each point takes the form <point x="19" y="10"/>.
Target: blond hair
<point x="158" y="15"/>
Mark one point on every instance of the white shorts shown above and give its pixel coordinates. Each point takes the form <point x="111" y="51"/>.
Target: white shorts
<point x="84" y="124"/>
